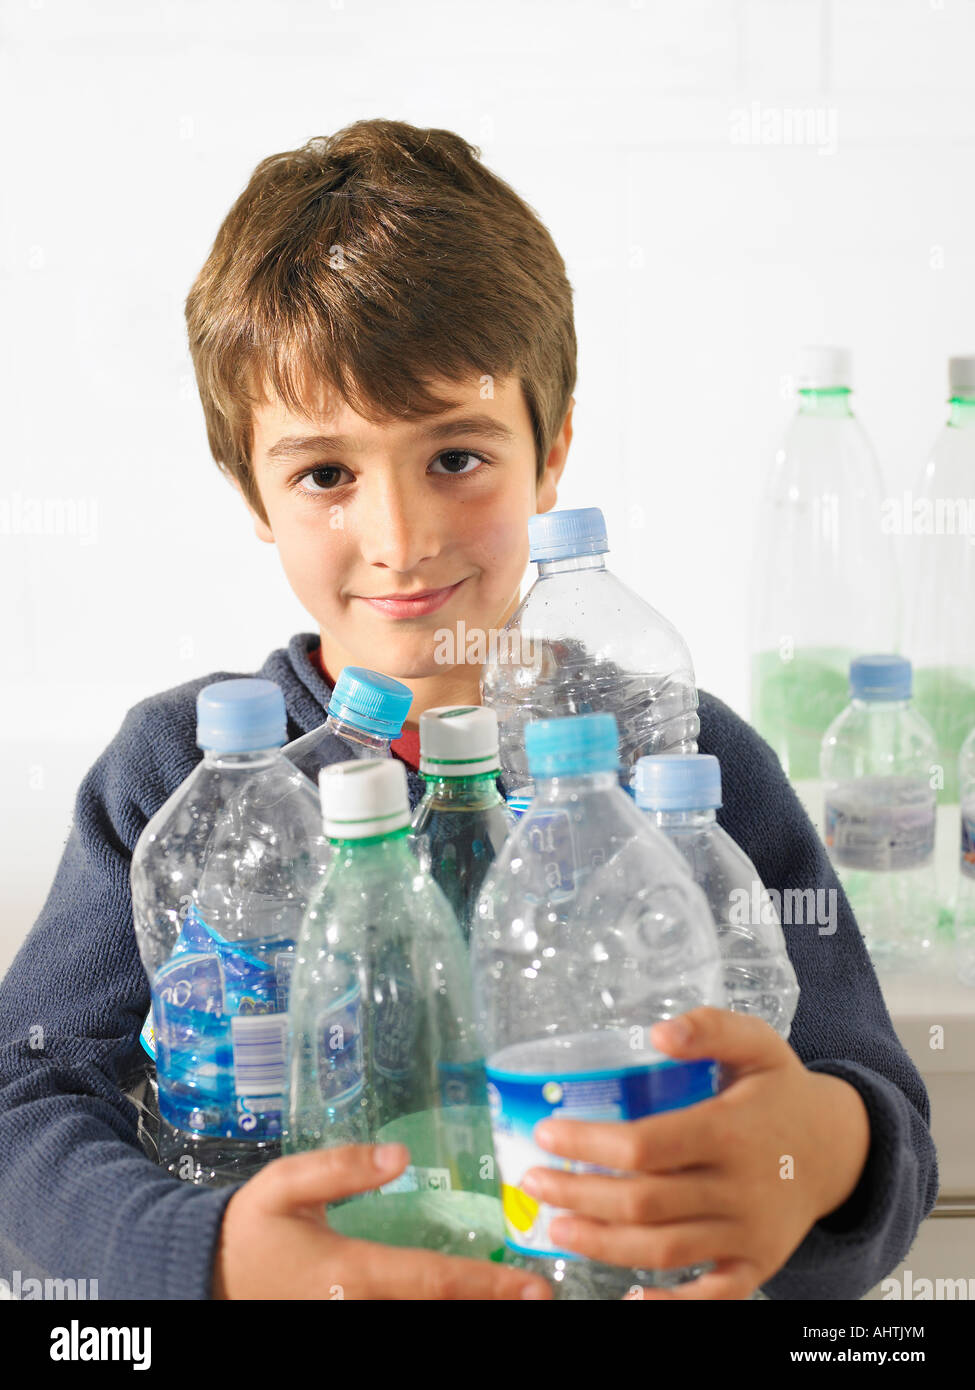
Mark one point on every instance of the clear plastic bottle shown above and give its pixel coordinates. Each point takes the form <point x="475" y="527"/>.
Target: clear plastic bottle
<point x="965" y="902"/>
<point x="589" y="930"/>
<point x="221" y="878"/>
<point x="940" y="545"/>
<point x="825" y="583"/>
<point x="365" y="714"/>
<point x="581" y="642"/>
<point x="462" y="821"/>
<point x="878" y="762"/>
<point x="681" y="796"/>
<point x="382" y="1043"/>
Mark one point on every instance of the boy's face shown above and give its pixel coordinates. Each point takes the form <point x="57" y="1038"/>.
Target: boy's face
<point x="364" y="514"/>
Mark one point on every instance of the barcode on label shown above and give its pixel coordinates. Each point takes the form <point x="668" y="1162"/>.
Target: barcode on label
<point x="260" y="1047"/>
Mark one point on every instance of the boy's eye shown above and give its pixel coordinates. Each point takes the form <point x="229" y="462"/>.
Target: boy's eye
<point x="455" y="461"/>
<point x="324" y="478"/>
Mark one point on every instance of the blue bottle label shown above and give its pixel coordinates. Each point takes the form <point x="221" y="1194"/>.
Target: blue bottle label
<point x="519" y="1101"/>
<point x="220" y="1032"/>
<point x="880" y="838"/>
<point x="968" y="841"/>
<point x="341" y="1073"/>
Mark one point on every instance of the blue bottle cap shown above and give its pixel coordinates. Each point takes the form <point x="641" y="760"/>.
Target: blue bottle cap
<point x="562" y="535"/>
<point x="572" y="746"/>
<point x="240" y="716"/>
<point x="371" y="702"/>
<point x="884" y="677"/>
<point x="678" y="782"/>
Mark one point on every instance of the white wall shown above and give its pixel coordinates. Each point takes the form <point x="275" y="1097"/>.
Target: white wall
<point x="701" y="262"/>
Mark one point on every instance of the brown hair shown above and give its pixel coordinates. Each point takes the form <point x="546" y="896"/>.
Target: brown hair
<point x="367" y="263"/>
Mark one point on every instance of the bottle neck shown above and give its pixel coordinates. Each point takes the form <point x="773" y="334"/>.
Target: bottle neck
<point x="683" y="820"/>
<point x="557" y="788"/>
<point x="826" y="403"/>
<point x="571" y="563"/>
<point x="388" y="842"/>
<point x="962" y="414"/>
<point x="254" y="758"/>
<point x="476" y="791"/>
<point x="379" y="743"/>
<point x="879" y="706"/>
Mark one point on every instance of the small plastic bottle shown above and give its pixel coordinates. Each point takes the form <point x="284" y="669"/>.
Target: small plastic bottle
<point x="365" y="714"/>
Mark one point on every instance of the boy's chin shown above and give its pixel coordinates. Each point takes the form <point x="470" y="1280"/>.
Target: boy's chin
<point x="416" y="657"/>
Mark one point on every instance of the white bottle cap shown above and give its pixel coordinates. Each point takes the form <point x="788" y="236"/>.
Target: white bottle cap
<point x="825" y="368"/>
<point x="458" y="741"/>
<point x="367" y="796"/>
<point x="961" y="376"/>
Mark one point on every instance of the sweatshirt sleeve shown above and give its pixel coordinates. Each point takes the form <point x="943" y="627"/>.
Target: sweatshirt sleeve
<point x="841" y="1025"/>
<point x="79" y="1198"/>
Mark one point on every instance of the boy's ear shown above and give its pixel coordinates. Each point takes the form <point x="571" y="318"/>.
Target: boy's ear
<point x="546" y="491"/>
<point x="262" y="531"/>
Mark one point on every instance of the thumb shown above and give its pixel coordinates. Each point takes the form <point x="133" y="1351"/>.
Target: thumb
<point x="328" y="1175"/>
<point x="741" y="1042"/>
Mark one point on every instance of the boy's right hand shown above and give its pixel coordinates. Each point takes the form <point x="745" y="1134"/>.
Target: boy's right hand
<point x="275" y="1242"/>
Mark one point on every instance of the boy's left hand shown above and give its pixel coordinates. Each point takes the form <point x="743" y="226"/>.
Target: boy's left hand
<point x="737" y="1180"/>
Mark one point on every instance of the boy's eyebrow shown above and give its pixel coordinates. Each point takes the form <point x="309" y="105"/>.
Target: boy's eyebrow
<point x="485" y="425"/>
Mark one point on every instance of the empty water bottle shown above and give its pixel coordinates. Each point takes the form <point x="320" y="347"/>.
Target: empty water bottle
<point x="681" y="795"/>
<point x="878" y="765"/>
<point x="365" y="714"/>
<point x="462" y="821"/>
<point x="382" y="1047"/>
<point x="221" y="878"/>
<point x="589" y="930"/>
<point x="581" y="642"/>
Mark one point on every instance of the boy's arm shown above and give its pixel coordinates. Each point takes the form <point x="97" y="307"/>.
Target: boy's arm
<point x="841" y="1027"/>
<point x="78" y="1197"/>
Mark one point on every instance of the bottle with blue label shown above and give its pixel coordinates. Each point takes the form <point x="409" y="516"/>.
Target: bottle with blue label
<point x="879" y="767"/>
<point x="681" y="796"/>
<point x="589" y="930"/>
<point x="382" y="1045"/>
<point x="365" y="714"/>
<point x="221" y="877"/>
<point x="462" y="821"/>
<point x="581" y="642"/>
<point x="965" y="902"/>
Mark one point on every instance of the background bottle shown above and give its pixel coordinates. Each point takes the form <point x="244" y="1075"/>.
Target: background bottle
<point x="965" y="904"/>
<point x="589" y="930"/>
<point x="825" y="583"/>
<point x="365" y="714"/>
<point x="462" y="820"/>
<point x="381" y="1045"/>
<point x="221" y="877"/>
<point x="941" y="563"/>
<point x="581" y="642"/>
<point x="877" y="764"/>
<point x="681" y="796"/>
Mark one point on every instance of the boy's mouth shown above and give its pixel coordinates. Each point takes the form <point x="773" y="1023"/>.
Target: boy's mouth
<point x="416" y="605"/>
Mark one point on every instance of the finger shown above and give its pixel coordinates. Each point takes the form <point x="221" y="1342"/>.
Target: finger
<point x="384" y="1272"/>
<point x="327" y="1175"/>
<point x="673" y="1246"/>
<point x="638" y="1201"/>
<point x="730" y="1279"/>
<point x="740" y="1041"/>
<point x="674" y="1139"/>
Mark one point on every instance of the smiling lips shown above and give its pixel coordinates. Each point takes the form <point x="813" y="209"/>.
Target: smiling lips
<point x="412" y="606"/>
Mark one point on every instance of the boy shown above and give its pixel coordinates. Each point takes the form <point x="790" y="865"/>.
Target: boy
<point x="383" y="342"/>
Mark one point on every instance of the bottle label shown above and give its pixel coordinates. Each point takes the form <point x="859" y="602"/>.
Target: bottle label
<point x="218" y="1024"/>
<point x="519" y="1101"/>
<point x="880" y="837"/>
<point x="341" y="1073"/>
<point x="968" y="841"/>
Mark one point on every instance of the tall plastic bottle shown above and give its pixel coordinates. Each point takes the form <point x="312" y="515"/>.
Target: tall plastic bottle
<point x="382" y="1045"/>
<point x="878" y="763"/>
<point x="365" y="714"/>
<point x="681" y="796"/>
<point x="965" y="902"/>
<point x="221" y="876"/>
<point x="589" y="930"/>
<point x="825" y="583"/>
<point x="462" y="821"/>
<point x="939" y="523"/>
<point x="581" y="642"/>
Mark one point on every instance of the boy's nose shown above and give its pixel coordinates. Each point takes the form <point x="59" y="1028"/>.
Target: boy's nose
<point x="397" y="531"/>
